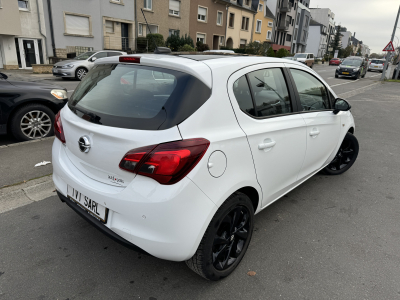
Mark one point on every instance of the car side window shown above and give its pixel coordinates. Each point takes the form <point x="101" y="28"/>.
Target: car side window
<point x="109" y="54"/>
<point x="100" y="55"/>
<point x="270" y="92"/>
<point x="313" y="94"/>
<point x="243" y="96"/>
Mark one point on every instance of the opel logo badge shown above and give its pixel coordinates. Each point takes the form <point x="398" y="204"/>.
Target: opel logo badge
<point x="84" y="144"/>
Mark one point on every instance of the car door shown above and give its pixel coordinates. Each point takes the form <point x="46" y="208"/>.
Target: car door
<point x="97" y="55"/>
<point x="264" y="107"/>
<point x="323" y="127"/>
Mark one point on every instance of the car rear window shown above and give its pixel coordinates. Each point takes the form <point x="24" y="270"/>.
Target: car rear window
<point x="376" y="61"/>
<point x="137" y="97"/>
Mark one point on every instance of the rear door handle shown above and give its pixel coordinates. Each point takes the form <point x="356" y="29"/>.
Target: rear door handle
<point x="314" y="133"/>
<point x="268" y="144"/>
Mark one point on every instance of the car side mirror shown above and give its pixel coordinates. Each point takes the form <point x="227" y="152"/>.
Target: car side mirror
<point x="93" y="59"/>
<point x="341" y="105"/>
<point x="3" y="76"/>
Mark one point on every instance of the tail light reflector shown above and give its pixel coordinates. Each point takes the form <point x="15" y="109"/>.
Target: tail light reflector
<point x="166" y="163"/>
<point x="58" y="128"/>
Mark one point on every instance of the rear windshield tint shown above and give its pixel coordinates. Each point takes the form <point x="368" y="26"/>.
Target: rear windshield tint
<point x="375" y="61"/>
<point x="137" y="97"/>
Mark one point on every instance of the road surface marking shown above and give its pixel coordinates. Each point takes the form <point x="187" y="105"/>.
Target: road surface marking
<point x="345" y="83"/>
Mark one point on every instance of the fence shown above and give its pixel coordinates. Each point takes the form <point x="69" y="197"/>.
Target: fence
<point x="119" y="43"/>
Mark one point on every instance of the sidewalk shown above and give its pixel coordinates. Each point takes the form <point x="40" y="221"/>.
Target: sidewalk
<point x="26" y="75"/>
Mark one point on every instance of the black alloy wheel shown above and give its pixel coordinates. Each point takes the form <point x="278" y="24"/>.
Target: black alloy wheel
<point x="226" y="239"/>
<point x="345" y="157"/>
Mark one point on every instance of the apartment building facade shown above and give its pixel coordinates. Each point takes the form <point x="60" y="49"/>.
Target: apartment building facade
<point x="285" y="12"/>
<point x="22" y="34"/>
<point x="325" y="17"/>
<point x="165" y="17"/>
<point x="77" y="26"/>
<point x="240" y="21"/>
<point x="208" y="22"/>
<point x="317" y="39"/>
<point x="263" y="22"/>
<point x="302" y="25"/>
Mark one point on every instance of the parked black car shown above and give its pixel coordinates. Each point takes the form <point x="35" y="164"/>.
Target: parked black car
<point x="27" y="109"/>
<point x="353" y="66"/>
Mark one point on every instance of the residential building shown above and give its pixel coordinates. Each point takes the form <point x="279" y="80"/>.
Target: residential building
<point x="240" y="20"/>
<point x="325" y="17"/>
<point x="302" y="25"/>
<point x="208" y="22"/>
<point x="76" y="26"/>
<point x="285" y="12"/>
<point x="317" y="39"/>
<point x="355" y="44"/>
<point x="346" y="39"/>
<point x="263" y="22"/>
<point x="22" y="34"/>
<point x="165" y="17"/>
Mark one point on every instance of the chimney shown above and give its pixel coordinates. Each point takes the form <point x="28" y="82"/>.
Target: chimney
<point x="354" y="34"/>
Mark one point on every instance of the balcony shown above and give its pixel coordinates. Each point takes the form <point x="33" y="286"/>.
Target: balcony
<point x="286" y="6"/>
<point x="283" y="25"/>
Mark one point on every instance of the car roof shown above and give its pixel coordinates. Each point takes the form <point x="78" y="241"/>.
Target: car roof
<point x="199" y="66"/>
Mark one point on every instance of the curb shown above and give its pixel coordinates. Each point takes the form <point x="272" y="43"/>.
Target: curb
<point x="27" y="142"/>
<point x="26" y="193"/>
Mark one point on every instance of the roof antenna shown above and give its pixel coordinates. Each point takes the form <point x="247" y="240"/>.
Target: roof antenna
<point x="158" y="50"/>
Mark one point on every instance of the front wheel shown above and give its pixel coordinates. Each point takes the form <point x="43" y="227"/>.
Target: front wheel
<point x="80" y="73"/>
<point x="336" y="76"/>
<point x="345" y="157"/>
<point x="32" y="121"/>
<point x="226" y="239"/>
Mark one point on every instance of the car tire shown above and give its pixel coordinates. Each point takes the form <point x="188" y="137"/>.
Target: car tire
<point x="363" y="76"/>
<point x="80" y="73"/>
<point x="345" y="157"/>
<point x="25" y="126"/>
<point x="212" y="259"/>
<point x="312" y="65"/>
<point x="336" y="76"/>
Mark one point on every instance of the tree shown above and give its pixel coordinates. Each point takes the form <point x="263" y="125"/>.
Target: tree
<point x="336" y="41"/>
<point x="347" y="51"/>
<point x="270" y="52"/>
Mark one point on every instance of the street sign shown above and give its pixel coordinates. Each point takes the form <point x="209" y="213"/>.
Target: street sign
<point x="336" y="53"/>
<point x="389" y="47"/>
<point x="330" y="49"/>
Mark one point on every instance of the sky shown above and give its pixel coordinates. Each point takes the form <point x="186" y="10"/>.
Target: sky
<point x="371" y="20"/>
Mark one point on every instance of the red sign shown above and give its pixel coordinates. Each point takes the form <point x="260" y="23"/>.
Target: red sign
<point x="389" y="47"/>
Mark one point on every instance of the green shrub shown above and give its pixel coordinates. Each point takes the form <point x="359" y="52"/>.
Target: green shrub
<point x="186" y="48"/>
<point x="174" y="42"/>
<point x="158" y="39"/>
<point x="282" y="53"/>
<point x="256" y="48"/>
<point x="202" y="47"/>
<point x="270" y="52"/>
<point x="239" y="50"/>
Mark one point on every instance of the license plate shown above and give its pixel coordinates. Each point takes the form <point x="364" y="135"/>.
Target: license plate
<point x="97" y="210"/>
<point x="55" y="71"/>
<point x="347" y="73"/>
<point x="376" y="67"/>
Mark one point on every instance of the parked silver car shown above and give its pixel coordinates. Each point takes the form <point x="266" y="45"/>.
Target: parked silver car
<point x="376" y="65"/>
<point x="80" y="65"/>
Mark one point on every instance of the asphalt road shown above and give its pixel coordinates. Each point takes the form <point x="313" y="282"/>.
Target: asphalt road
<point x="334" y="237"/>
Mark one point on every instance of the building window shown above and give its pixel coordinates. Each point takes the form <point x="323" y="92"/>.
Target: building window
<point x="202" y="14"/>
<point x="288" y="38"/>
<point x="148" y="4"/>
<point x="295" y="34"/>
<point x="231" y="20"/>
<point x="298" y="19"/>
<point x="245" y="23"/>
<point x="243" y="44"/>
<point x="306" y="23"/>
<point x="173" y="32"/>
<point x="174" y="7"/>
<point x="77" y="24"/>
<point x="140" y="29"/>
<point x="247" y="2"/>
<point x="269" y="34"/>
<point x="219" y="18"/>
<point x="260" y="7"/>
<point x="221" y="40"/>
<point x="109" y="26"/>
<point x="23" y="4"/>
<point x="258" y="26"/>
<point x="201" y="37"/>
<point x="270" y="24"/>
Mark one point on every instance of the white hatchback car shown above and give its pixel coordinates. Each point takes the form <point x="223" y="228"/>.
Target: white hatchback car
<point x="376" y="65"/>
<point x="174" y="155"/>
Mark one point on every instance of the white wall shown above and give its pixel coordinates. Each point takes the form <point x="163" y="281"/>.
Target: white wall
<point x="8" y="50"/>
<point x="313" y="40"/>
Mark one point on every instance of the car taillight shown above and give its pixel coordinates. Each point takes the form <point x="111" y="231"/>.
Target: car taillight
<point x="166" y="163"/>
<point x="58" y="128"/>
<point x="130" y="59"/>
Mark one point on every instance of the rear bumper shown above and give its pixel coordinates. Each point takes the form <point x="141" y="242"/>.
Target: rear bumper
<point x="166" y="221"/>
<point x="99" y="225"/>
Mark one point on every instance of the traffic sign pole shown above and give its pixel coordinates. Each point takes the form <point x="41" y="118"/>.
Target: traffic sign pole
<point x="387" y="56"/>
